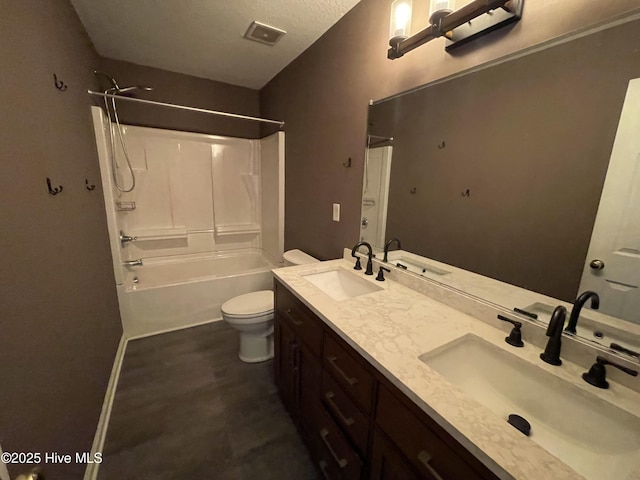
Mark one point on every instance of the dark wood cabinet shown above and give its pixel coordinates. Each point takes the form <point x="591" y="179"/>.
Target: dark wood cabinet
<point x="387" y="463"/>
<point x="297" y="368"/>
<point x="356" y="424"/>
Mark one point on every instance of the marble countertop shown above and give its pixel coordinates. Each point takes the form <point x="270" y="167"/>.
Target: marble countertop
<point x="392" y="327"/>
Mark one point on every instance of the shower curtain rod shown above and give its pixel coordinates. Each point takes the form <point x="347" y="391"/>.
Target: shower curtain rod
<point x="183" y="107"/>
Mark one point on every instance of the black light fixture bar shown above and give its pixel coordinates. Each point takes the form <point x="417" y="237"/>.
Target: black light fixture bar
<point x="452" y="21"/>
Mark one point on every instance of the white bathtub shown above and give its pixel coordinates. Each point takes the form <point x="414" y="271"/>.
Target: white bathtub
<point x="170" y="293"/>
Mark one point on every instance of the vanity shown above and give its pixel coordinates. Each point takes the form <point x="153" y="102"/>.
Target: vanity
<point x="387" y="382"/>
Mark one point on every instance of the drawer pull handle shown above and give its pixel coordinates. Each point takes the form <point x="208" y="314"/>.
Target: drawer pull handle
<point x="293" y="319"/>
<point x="347" y="421"/>
<point x="350" y="380"/>
<point x="342" y="462"/>
<point x="323" y="468"/>
<point x="424" y="458"/>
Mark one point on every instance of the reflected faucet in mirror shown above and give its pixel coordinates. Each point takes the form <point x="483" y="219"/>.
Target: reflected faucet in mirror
<point x="388" y="245"/>
<point x="369" y="270"/>
<point x="577" y="307"/>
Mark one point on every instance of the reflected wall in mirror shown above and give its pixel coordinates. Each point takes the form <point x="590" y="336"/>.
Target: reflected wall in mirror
<point x="500" y="171"/>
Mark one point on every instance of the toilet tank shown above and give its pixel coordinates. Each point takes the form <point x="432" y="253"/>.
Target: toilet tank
<point x="297" y="257"/>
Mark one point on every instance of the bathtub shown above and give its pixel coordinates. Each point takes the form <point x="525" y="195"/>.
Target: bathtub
<point x="179" y="292"/>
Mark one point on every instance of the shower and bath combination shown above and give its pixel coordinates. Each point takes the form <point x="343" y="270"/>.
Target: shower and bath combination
<point x="117" y="90"/>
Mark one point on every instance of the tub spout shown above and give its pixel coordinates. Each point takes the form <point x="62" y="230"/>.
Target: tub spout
<point x="133" y="263"/>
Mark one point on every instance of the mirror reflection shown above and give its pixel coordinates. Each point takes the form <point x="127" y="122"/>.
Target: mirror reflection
<point x="496" y="176"/>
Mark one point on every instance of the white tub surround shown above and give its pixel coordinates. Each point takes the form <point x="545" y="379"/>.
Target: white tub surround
<point x="394" y="326"/>
<point x="197" y="198"/>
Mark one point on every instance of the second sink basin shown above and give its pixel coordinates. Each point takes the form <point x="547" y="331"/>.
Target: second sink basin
<point x="340" y="284"/>
<point x="595" y="438"/>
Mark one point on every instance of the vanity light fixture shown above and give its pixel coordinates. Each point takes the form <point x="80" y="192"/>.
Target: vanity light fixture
<point x="477" y="18"/>
<point x="399" y="28"/>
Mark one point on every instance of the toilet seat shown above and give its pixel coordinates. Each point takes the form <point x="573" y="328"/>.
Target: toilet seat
<point x="249" y="305"/>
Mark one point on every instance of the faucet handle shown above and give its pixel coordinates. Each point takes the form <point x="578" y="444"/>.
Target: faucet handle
<point x="380" y="276"/>
<point x="596" y="375"/>
<point x="515" y="337"/>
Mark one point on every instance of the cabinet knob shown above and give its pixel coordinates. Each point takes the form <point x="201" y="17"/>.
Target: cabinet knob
<point x="596" y="264"/>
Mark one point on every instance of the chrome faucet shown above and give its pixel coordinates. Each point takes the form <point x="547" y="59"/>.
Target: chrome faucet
<point x="133" y="263"/>
<point x="577" y="306"/>
<point x="388" y="244"/>
<point x="126" y="238"/>
<point x="551" y="353"/>
<point x="369" y="270"/>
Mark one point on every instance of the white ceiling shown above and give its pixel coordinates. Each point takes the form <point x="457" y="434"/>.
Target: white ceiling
<point x="203" y="38"/>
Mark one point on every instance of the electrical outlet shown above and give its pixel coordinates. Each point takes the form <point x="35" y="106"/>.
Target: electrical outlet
<point x="4" y="473"/>
<point x="336" y="212"/>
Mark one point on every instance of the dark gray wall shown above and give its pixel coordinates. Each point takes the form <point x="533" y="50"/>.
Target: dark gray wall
<point x="323" y="96"/>
<point x="182" y="89"/>
<point x="531" y="140"/>
<point x="59" y="323"/>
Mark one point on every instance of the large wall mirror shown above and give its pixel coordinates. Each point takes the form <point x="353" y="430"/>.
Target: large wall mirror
<point x="500" y="171"/>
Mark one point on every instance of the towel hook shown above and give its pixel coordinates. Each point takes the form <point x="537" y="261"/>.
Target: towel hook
<point x="60" y="85"/>
<point x="89" y="187"/>
<point x="53" y="191"/>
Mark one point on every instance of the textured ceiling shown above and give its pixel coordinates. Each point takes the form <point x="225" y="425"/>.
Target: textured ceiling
<point x="204" y="37"/>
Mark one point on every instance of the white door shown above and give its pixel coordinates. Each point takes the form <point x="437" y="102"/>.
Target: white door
<point x="612" y="267"/>
<point x="375" y="195"/>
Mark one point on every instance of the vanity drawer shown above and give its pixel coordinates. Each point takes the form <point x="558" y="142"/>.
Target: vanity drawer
<point x="303" y="322"/>
<point x="330" y="448"/>
<point x="424" y="449"/>
<point x="345" y="413"/>
<point x="352" y="375"/>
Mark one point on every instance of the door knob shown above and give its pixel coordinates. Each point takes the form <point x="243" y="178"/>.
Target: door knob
<point x="596" y="264"/>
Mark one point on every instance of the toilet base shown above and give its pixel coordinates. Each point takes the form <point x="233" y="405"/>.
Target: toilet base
<point x="255" y="348"/>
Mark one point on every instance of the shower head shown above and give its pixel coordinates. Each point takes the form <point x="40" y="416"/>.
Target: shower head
<point x="114" y="84"/>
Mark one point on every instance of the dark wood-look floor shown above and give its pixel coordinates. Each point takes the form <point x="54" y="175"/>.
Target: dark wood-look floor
<point x="186" y="407"/>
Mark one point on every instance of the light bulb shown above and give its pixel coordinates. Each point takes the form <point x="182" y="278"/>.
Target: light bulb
<point x="400" y="21"/>
<point x="439" y="9"/>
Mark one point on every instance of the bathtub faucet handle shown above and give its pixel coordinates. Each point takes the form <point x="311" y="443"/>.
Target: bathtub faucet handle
<point x="133" y="263"/>
<point x="126" y="238"/>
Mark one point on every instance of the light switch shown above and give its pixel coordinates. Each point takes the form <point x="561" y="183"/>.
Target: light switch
<point x="336" y="212"/>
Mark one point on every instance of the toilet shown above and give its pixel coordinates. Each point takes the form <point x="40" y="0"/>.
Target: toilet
<point x="297" y="257"/>
<point x="252" y="315"/>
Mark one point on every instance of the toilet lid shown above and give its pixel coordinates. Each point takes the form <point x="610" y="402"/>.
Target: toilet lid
<point x="252" y="303"/>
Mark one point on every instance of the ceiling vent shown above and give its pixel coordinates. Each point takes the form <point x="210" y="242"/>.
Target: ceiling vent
<point x="260" y="32"/>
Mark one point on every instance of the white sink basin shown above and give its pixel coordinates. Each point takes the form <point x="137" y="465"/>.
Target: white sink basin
<point x="597" y="439"/>
<point x="340" y="284"/>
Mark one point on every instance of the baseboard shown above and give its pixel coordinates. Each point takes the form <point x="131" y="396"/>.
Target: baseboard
<point x="91" y="473"/>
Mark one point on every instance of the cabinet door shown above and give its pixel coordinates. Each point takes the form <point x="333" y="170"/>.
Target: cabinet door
<point x="308" y="387"/>
<point x="286" y="369"/>
<point x="387" y="463"/>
